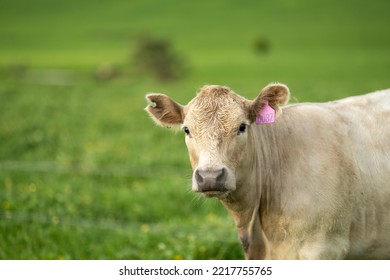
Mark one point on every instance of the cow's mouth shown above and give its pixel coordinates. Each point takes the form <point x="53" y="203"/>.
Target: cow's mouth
<point x="216" y="194"/>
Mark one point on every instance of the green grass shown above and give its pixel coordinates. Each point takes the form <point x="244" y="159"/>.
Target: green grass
<point x="84" y="173"/>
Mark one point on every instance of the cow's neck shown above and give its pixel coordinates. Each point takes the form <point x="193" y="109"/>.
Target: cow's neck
<point x="255" y="188"/>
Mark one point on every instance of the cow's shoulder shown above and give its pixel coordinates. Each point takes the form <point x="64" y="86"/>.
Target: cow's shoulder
<point x="370" y="102"/>
<point x="356" y="110"/>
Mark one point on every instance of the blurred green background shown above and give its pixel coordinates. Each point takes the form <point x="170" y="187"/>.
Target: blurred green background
<point x="84" y="173"/>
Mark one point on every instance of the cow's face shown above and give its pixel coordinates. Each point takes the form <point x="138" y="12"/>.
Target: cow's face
<point x="216" y="124"/>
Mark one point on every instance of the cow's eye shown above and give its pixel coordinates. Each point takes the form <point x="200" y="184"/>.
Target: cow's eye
<point x="242" y="128"/>
<point x="186" y="130"/>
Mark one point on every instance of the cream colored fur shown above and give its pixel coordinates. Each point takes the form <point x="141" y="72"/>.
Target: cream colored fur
<point x="313" y="185"/>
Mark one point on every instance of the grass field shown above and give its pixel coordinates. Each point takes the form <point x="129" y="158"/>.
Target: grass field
<point x="84" y="173"/>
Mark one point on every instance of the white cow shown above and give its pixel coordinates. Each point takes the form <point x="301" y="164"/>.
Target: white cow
<point x="311" y="183"/>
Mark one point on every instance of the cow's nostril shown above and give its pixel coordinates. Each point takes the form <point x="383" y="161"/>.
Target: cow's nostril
<point x="221" y="178"/>
<point x="199" y="178"/>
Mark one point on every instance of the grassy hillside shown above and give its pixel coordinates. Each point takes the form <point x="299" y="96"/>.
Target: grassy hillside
<point x="85" y="174"/>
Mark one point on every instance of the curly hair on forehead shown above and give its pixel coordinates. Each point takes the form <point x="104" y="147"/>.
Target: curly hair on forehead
<point x="214" y="89"/>
<point x="216" y="96"/>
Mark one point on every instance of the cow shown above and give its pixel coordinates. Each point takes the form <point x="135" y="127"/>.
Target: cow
<point x="301" y="181"/>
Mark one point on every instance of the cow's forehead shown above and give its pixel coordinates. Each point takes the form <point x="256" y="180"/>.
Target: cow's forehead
<point x="215" y="107"/>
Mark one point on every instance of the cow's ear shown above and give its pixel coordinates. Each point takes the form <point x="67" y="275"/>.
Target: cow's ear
<point x="164" y="111"/>
<point x="275" y="95"/>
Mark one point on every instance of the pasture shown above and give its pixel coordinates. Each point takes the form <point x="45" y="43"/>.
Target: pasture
<point x="85" y="174"/>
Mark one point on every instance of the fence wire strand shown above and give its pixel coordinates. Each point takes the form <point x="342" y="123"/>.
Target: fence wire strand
<point x="93" y="170"/>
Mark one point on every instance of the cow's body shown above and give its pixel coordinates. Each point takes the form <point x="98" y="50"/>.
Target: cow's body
<point x="313" y="185"/>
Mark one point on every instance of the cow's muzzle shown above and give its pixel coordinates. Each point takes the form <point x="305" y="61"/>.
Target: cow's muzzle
<point x="211" y="182"/>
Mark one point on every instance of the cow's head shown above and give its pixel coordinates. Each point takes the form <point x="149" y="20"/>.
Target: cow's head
<point x="216" y="124"/>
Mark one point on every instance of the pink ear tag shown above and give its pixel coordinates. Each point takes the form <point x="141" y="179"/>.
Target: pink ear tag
<point x="266" y="115"/>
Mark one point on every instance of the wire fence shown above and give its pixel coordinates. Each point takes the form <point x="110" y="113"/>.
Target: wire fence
<point x="163" y="171"/>
<point x="29" y="218"/>
<point x="76" y="169"/>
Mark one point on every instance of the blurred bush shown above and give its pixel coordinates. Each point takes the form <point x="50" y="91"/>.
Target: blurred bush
<point x="261" y="44"/>
<point x="106" y="71"/>
<point x="157" y="58"/>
